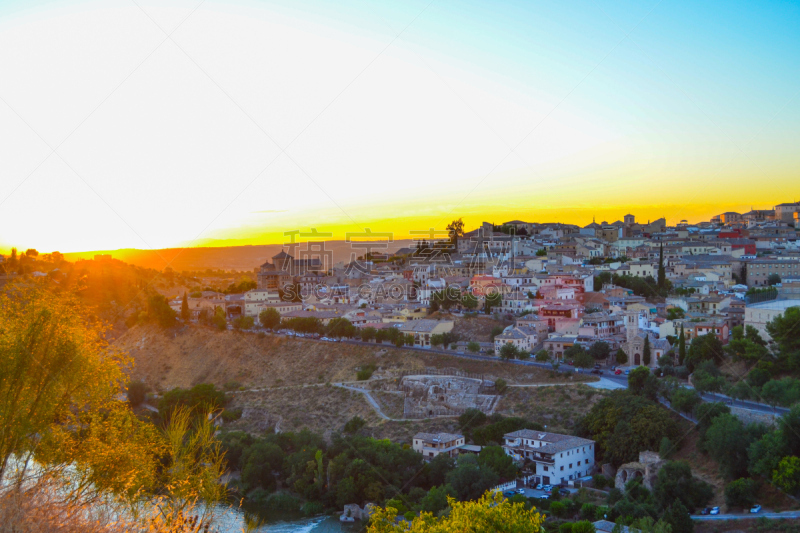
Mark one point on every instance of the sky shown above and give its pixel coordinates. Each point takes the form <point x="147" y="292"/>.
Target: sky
<point x="140" y="124"/>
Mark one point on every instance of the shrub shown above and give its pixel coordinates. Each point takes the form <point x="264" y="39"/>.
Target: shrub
<point x="500" y="385"/>
<point x="558" y="509"/>
<point x="365" y="372"/>
<point x="354" y="424"/>
<point x="409" y="516"/>
<point x="136" y="393"/>
<point x="231" y="415"/>
<point x="740" y="493"/>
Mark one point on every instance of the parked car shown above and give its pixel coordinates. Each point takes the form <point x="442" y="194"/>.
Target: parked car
<point x="597" y="371"/>
<point x="509" y="493"/>
<point x="755" y="509"/>
<point x="705" y="510"/>
<point x="596" y="365"/>
<point x="520" y="491"/>
<point x="570" y="363"/>
<point x="539" y="486"/>
<point x="614" y="367"/>
<point x="617" y="372"/>
<point x="563" y="492"/>
<point x="714" y="510"/>
<point x="544" y="497"/>
<point x="627" y="371"/>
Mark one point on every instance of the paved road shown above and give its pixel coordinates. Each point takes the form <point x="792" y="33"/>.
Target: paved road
<point x="746" y="516"/>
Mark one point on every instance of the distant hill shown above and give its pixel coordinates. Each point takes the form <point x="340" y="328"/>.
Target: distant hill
<point x="226" y="258"/>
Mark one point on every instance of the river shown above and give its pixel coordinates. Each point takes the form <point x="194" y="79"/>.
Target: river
<point x="232" y="521"/>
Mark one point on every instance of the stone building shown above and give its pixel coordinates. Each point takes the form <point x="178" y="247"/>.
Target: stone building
<point x="646" y="468"/>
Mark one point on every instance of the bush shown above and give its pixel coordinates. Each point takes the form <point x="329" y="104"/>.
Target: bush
<point x="588" y="511"/>
<point x="354" y="424"/>
<point x="312" y="508"/>
<point x="136" y="393"/>
<point x="740" y="493"/>
<point x="231" y="415"/>
<point x="409" y="516"/>
<point x="558" y="509"/>
<point x="365" y="372"/>
<point x="500" y="385"/>
<point x="601" y="481"/>
<point x="243" y="322"/>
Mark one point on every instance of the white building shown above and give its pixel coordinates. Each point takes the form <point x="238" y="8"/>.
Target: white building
<point x="556" y="459"/>
<point x="254" y="298"/>
<point x="432" y="444"/>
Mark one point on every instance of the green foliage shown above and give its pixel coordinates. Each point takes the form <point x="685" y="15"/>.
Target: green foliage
<point x="499" y="426"/>
<point x="740" y="493"/>
<point x="435" y="501"/>
<point x="270" y="318"/>
<point x="500" y="385"/>
<point x="783" y="330"/>
<point x="600" y="350"/>
<point x="471" y="419"/>
<point x="354" y="424"/>
<point x="473" y="347"/>
<point x="260" y="462"/>
<point x="497" y="330"/>
<point x="185" y="315"/>
<point x="365" y="372"/>
<point x="341" y="327"/>
<point x="243" y="322"/>
<point x="558" y="509"/>
<point x="675" y="481"/>
<point x="491" y="301"/>
<point x="542" y="356"/>
<point x="495" y="457"/>
<point x="677" y="516"/>
<point x="787" y="476"/>
<point x="578" y="356"/>
<point x="727" y="440"/>
<point x="470" y="480"/>
<point x="675" y="313"/>
<point x="647" y="354"/>
<point x="666" y="449"/>
<point x="624" y="424"/>
<point x="642" y="383"/>
<point x="621" y="357"/>
<point x="199" y="399"/>
<point x="159" y="311"/>
<point x="306" y="324"/>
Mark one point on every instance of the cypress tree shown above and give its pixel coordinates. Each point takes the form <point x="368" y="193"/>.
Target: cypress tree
<point x="681" y="347"/>
<point x="661" y="271"/>
<point x="185" y="307"/>
<point x="646" y="355"/>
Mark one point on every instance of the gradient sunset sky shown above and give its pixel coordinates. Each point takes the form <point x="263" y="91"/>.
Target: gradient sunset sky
<point x="136" y="124"/>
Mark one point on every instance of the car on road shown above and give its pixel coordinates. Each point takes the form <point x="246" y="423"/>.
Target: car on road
<point x="617" y="372"/>
<point x="714" y="510"/>
<point x="509" y="493"/>
<point x="539" y="486"/>
<point x="614" y="367"/>
<point x="755" y="509"/>
<point x="597" y="371"/>
<point x="597" y="366"/>
<point x="520" y="491"/>
<point x="627" y="371"/>
<point x="705" y="510"/>
<point x="544" y="497"/>
<point x="564" y="492"/>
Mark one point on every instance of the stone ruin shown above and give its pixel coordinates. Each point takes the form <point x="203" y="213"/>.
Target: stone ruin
<point x="429" y="396"/>
<point x="646" y="468"/>
<point x="356" y="512"/>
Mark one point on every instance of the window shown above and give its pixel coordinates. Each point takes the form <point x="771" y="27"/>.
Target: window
<point x="570" y="465"/>
<point x="562" y="468"/>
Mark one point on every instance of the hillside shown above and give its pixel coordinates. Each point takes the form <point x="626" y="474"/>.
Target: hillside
<point x="195" y="354"/>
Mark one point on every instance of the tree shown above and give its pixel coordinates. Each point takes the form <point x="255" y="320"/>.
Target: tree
<point x="637" y="379"/>
<point x="681" y="347"/>
<point x="492" y="512"/>
<point x="789" y="425"/>
<point x="497" y="330"/>
<point x="469" y="301"/>
<point x="765" y="453"/>
<point x="773" y="279"/>
<point x="727" y="441"/>
<point x="492" y="300"/>
<point x="646" y="352"/>
<point x="219" y="320"/>
<point x="685" y="400"/>
<point x="473" y="347"/>
<point x="675" y="481"/>
<point x="470" y="480"/>
<point x="456" y="230"/>
<point x="662" y="277"/>
<point x="621" y="357"/>
<point x="678" y="517"/>
<point x="600" y="350"/>
<point x="787" y="476"/>
<point x="159" y="311"/>
<point x="582" y="359"/>
<point x="783" y="330"/>
<point x="368" y="334"/>
<point x="341" y="327"/>
<point x="675" y="313"/>
<point x="55" y="368"/>
<point x="740" y="493"/>
<point x="507" y="351"/>
<point x="270" y="318"/>
<point x="435" y="501"/>
<point x="471" y="418"/>
<point x="542" y="356"/>
<point x="495" y="457"/>
<point x="437" y="339"/>
<point x="243" y="322"/>
<point x="185" y="307"/>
